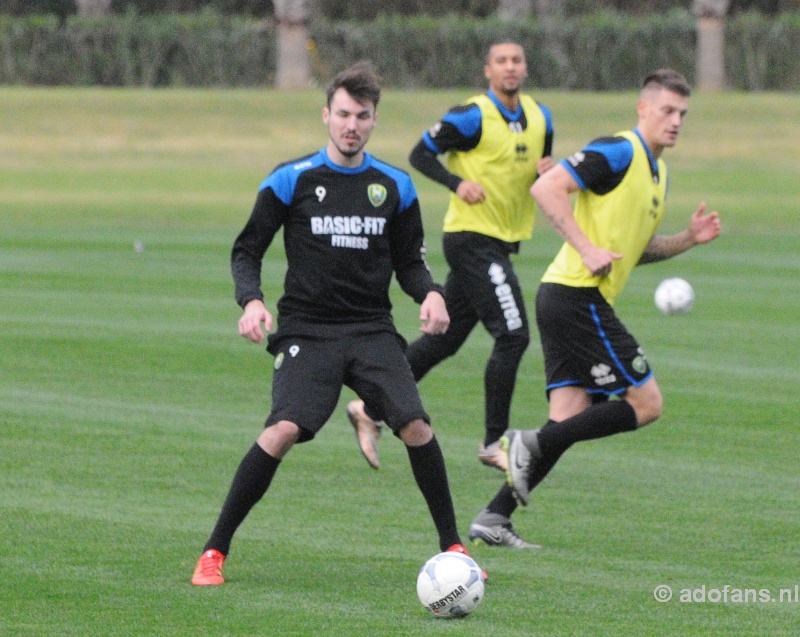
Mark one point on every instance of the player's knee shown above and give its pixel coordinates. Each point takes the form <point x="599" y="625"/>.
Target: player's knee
<point x="277" y="439"/>
<point x="647" y="402"/>
<point x="416" y="433"/>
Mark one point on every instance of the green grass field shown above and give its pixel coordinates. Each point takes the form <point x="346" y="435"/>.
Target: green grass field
<point x="127" y="398"/>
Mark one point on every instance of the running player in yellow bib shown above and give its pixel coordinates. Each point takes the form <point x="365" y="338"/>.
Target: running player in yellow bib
<point x="589" y="355"/>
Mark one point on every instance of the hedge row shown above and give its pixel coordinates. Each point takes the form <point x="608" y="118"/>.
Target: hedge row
<point x="607" y="51"/>
<point x="206" y="49"/>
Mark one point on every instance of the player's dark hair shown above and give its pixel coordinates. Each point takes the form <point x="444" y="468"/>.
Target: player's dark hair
<point x="360" y="80"/>
<point x="488" y="57"/>
<point x="668" y="79"/>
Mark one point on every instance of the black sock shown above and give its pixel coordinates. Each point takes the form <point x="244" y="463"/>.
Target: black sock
<point x="540" y="469"/>
<point x="504" y="502"/>
<point x="598" y="421"/>
<point x="428" y="467"/>
<point x="250" y="483"/>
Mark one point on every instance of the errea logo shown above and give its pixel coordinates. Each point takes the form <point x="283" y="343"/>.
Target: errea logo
<point x="505" y="295"/>
<point x="576" y="158"/>
<point x="602" y="374"/>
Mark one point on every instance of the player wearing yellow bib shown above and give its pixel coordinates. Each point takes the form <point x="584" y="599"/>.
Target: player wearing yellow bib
<point x="496" y="147"/>
<point x="589" y="355"/>
<point x="496" y="144"/>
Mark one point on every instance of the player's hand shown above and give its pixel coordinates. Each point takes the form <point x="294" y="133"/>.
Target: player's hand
<point x="704" y="227"/>
<point x="250" y="323"/>
<point x="599" y="261"/>
<point x="544" y="164"/>
<point x="433" y="314"/>
<point x="471" y="192"/>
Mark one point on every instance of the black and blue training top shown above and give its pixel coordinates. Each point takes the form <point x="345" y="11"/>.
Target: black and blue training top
<point x="346" y="231"/>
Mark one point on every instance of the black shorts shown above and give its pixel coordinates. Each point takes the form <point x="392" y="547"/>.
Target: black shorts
<point x="482" y="285"/>
<point x="585" y="344"/>
<point x="309" y="373"/>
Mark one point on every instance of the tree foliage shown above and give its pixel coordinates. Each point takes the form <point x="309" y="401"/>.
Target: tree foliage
<point x="370" y="9"/>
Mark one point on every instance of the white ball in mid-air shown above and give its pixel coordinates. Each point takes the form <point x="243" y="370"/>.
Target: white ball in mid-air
<point x="450" y="584"/>
<point x="674" y="296"/>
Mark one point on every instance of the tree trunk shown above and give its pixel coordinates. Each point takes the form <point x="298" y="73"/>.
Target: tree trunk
<point x="551" y="14"/>
<point x="93" y="7"/>
<point x="293" y="60"/>
<point x="710" y="52"/>
<point x="511" y="10"/>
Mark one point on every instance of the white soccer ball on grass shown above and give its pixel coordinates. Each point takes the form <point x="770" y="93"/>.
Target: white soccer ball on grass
<point x="450" y="585"/>
<point x="674" y="296"/>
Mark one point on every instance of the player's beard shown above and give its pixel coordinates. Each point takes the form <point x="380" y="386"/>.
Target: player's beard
<point x="350" y="151"/>
<point x="511" y="92"/>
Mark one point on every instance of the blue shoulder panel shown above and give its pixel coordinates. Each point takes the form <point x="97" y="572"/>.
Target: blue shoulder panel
<point x="466" y="120"/>
<point x="618" y="151"/>
<point x="283" y="180"/>
<point x="408" y="193"/>
<point x="602" y="164"/>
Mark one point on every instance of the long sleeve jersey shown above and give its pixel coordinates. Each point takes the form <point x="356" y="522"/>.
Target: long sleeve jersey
<point x="346" y="231"/>
<point x="486" y="143"/>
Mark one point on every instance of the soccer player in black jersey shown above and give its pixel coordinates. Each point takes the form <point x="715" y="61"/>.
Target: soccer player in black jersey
<point x="349" y="223"/>
<point x="599" y="381"/>
<point x="496" y="145"/>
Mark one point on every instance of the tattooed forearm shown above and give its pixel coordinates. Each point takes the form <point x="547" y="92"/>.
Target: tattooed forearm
<point x="664" y="247"/>
<point x="557" y="221"/>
